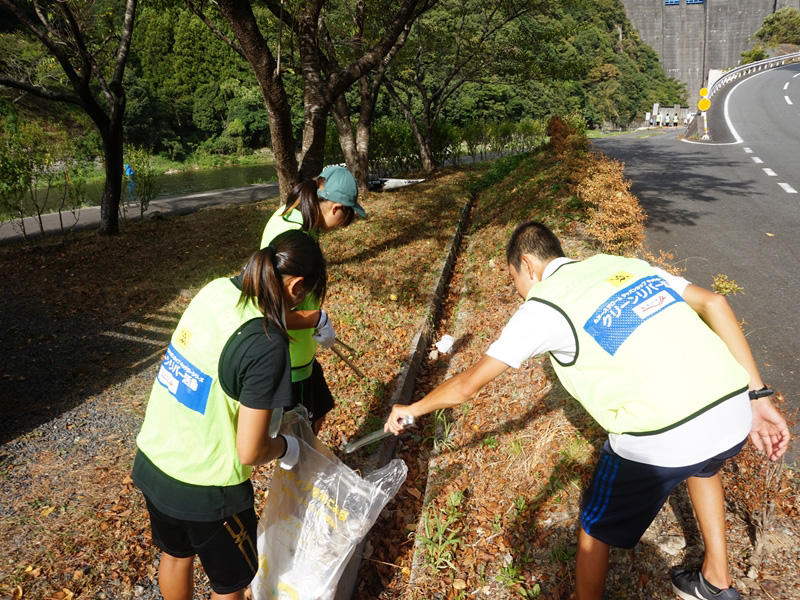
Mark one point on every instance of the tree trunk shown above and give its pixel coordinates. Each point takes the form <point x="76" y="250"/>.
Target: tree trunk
<point x="112" y="191"/>
<point x="313" y="153"/>
<point x="347" y="141"/>
<point x="361" y="164"/>
<point x="254" y="48"/>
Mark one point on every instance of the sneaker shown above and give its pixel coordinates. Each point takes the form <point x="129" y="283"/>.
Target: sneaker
<point x="689" y="584"/>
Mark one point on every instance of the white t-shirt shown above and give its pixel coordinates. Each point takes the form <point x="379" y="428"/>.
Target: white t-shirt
<point x="537" y="328"/>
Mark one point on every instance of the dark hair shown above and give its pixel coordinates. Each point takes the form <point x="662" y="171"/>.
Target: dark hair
<point x="290" y="253"/>
<point x="532" y="238"/>
<point x="304" y="197"/>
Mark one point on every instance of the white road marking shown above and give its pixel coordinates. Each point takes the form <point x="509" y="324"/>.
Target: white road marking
<point x="769" y="172"/>
<point x="795" y="75"/>
<point x="757" y="160"/>
<point x="787" y="188"/>
<point x="748" y="150"/>
<point x="737" y="138"/>
<point x="786" y="85"/>
<point x="788" y="100"/>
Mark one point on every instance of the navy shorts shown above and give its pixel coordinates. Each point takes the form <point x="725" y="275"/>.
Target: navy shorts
<point x="313" y="393"/>
<point x="625" y="496"/>
<point x="226" y="548"/>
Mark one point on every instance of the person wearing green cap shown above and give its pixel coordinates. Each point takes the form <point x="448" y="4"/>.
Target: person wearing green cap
<point x="328" y="202"/>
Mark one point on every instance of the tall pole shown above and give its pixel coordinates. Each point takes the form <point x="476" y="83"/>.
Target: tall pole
<point x="704" y="74"/>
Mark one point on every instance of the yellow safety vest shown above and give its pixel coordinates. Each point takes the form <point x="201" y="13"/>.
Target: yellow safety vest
<point x="302" y="346"/>
<point x="189" y="429"/>
<point x="645" y="361"/>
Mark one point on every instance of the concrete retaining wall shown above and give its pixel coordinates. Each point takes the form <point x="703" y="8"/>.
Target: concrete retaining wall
<point x="690" y="39"/>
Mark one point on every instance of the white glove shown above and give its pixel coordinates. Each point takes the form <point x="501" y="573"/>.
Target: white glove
<point x="289" y="458"/>
<point x="323" y="332"/>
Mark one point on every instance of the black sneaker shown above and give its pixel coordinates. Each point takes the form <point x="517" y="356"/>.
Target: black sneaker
<point x="689" y="584"/>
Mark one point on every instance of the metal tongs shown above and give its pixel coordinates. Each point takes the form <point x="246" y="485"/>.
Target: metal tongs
<point x="344" y="357"/>
<point x="376" y="435"/>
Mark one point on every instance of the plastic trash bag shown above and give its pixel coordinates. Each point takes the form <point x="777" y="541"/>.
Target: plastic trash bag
<point x="314" y="517"/>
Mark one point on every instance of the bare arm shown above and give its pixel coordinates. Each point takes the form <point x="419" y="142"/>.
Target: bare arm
<point x="714" y="309"/>
<point x="454" y="391"/>
<point x="769" y="431"/>
<point x="253" y="444"/>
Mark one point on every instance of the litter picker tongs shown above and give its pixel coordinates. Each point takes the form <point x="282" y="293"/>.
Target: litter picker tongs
<point x="374" y="436"/>
<point x="344" y="357"/>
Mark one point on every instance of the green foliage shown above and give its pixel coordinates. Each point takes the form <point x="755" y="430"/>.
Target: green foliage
<point x="31" y="181"/>
<point x="442" y="532"/>
<point x="722" y="284"/>
<point x="187" y="87"/>
<point x="562" y="554"/>
<point x="141" y="187"/>
<point x="491" y="441"/>
<point x="781" y="27"/>
<point x="754" y="54"/>
<point x="499" y="170"/>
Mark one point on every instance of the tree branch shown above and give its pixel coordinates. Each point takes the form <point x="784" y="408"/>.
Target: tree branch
<point x="40" y="92"/>
<point x="214" y="29"/>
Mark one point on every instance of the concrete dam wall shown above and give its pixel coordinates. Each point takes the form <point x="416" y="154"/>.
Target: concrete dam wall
<point x="693" y="36"/>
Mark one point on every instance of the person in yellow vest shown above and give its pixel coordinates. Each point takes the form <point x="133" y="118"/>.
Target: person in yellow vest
<point x="314" y="206"/>
<point x="662" y="365"/>
<point x="207" y="421"/>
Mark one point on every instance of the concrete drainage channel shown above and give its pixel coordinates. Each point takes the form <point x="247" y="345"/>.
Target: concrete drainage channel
<point x="407" y="378"/>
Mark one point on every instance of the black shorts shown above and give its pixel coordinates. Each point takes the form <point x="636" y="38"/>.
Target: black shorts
<point x="313" y="393"/>
<point x="625" y="496"/>
<point x="226" y="548"/>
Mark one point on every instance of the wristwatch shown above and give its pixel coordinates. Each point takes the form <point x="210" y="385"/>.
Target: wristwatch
<point x="756" y="394"/>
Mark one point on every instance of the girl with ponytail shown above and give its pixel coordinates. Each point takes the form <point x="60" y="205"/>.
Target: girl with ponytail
<point x="313" y="206"/>
<point x="207" y="421"/>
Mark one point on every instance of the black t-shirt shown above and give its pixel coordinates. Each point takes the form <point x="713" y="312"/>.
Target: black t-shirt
<point x="254" y="368"/>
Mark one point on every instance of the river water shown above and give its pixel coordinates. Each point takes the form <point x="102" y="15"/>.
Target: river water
<point x="189" y="182"/>
<point x="176" y="184"/>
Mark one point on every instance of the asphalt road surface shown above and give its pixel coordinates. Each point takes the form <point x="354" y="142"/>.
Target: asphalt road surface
<point x="734" y="209"/>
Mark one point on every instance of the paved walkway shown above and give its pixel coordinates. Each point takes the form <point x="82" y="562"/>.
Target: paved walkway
<point x="89" y="216"/>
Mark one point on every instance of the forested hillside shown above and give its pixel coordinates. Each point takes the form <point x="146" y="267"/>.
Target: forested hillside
<point x="382" y="85"/>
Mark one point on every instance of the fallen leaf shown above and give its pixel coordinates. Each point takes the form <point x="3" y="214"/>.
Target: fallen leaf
<point x="770" y="234"/>
<point x="47" y="511"/>
<point x="459" y="584"/>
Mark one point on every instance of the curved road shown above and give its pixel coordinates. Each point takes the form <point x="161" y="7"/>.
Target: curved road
<point x="735" y="209"/>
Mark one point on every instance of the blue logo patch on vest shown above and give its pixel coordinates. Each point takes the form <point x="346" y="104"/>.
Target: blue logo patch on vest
<point x="622" y="313"/>
<point x="188" y="384"/>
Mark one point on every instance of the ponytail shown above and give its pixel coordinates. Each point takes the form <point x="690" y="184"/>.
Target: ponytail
<point x="291" y="253"/>
<point x="303" y="196"/>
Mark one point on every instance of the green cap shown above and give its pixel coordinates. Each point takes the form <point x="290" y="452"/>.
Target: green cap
<point x="340" y="187"/>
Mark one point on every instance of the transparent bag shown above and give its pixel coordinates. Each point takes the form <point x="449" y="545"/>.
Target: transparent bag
<point x="314" y="517"/>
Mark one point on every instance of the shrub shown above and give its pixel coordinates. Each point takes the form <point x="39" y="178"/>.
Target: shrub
<point x="616" y="219"/>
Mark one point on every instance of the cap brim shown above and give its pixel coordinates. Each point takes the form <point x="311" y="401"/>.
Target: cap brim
<point x="360" y="210"/>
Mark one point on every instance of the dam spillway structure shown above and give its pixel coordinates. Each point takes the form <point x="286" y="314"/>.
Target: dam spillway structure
<point x="692" y="37"/>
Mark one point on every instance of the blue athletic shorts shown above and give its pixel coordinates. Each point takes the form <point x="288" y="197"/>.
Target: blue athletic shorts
<point x="625" y="496"/>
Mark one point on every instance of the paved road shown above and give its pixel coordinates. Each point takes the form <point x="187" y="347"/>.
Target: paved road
<point x="89" y="217"/>
<point x="718" y="211"/>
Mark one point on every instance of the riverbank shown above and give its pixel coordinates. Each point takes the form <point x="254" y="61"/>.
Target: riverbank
<point x="89" y="216"/>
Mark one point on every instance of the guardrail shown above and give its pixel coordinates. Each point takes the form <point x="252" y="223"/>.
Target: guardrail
<point x="750" y="68"/>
